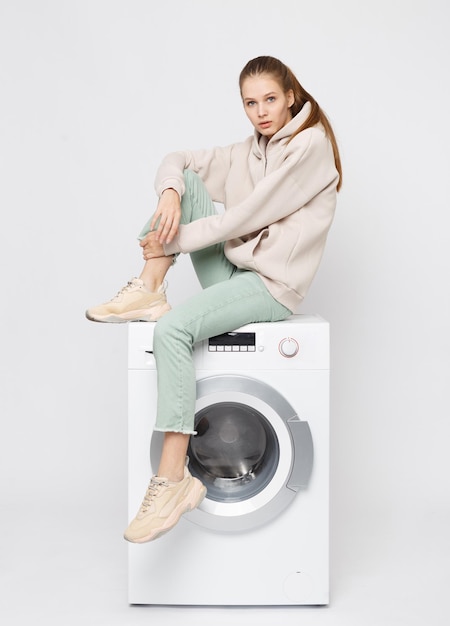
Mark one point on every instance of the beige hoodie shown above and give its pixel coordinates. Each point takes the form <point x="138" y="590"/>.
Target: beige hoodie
<point x="279" y="200"/>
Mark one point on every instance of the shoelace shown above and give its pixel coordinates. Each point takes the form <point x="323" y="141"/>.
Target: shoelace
<point x="127" y="287"/>
<point x="132" y="283"/>
<point x="152" y="490"/>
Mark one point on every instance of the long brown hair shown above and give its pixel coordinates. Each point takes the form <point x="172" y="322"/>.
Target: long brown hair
<point x="287" y="80"/>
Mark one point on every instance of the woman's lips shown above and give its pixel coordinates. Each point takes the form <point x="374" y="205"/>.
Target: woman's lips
<point x="265" y="124"/>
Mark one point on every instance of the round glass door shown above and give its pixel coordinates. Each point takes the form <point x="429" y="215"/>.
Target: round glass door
<point x="251" y="451"/>
<point x="235" y="452"/>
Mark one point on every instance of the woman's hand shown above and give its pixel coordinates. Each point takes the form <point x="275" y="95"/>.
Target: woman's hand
<point x="151" y="246"/>
<point x="169" y="212"/>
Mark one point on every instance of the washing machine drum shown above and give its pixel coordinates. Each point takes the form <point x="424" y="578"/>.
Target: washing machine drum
<point x="251" y="451"/>
<point x="235" y="452"/>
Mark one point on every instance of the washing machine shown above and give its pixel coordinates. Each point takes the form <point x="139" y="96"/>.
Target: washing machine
<point x="261" y="535"/>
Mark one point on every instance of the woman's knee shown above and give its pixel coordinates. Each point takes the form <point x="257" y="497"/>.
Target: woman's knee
<point x="194" y="184"/>
<point x="163" y="329"/>
<point x="169" y="330"/>
<point x="190" y="176"/>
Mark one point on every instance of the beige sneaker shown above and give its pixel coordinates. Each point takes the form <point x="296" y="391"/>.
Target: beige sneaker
<point x="163" y="505"/>
<point x="133" y="303"/>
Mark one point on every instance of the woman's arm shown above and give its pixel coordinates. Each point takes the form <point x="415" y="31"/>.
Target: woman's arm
<point x="308" y="169"/>
<point x="212" y="166"/>
<point x="168" y="213"/>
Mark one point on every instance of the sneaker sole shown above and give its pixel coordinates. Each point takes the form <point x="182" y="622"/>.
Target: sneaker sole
<point x="148" y="315"/>
<point x="195" y="498"/>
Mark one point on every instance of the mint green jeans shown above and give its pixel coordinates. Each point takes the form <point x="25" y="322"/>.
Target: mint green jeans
<point x="230" y="298"/>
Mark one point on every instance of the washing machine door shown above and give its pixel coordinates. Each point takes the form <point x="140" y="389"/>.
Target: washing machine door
<point x="251" y="451"/>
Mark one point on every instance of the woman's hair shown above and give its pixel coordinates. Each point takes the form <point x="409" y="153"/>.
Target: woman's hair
<point x="287" y="80"/>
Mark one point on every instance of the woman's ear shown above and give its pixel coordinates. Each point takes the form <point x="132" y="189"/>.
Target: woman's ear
<point x="290" y="98"/>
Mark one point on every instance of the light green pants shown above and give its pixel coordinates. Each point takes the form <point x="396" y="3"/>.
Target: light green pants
<point x="230" y="298"/>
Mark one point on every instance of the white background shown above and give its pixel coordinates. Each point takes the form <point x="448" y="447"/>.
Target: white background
<point x="92" y="94"/>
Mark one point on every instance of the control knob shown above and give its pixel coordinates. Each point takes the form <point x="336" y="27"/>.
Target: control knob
<point x="288" y="347"/>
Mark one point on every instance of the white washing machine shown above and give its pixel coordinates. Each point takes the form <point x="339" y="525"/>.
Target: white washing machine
<point x="260" y="537"/>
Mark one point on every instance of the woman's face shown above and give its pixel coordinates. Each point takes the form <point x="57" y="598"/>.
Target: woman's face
<point x="267" y="106"/>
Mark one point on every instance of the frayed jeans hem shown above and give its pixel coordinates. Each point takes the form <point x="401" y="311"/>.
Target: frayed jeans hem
<point x="171" y="430"/>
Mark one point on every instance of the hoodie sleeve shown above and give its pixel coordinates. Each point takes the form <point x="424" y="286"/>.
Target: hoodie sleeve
<point x="211" y="165"/>
<point x="307" y="169"/>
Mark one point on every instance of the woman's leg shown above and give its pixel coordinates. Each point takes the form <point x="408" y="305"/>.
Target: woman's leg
<point x="230" y="298"/>
<point x="222" y="307"/>
<point x="211" y="267"/>
<point x="173" y="456"/>
<point x="217" y="309"/>
<point x="154" y="272"/>
<point x="144" y="298"/>
<point x="211" y="312"/>
<point x="210" y="264"/>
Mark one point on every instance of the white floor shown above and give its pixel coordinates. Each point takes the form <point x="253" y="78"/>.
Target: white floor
<point x="65" y="564"/>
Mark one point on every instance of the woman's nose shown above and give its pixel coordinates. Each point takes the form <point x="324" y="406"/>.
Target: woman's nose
<point x="261" y="110"/>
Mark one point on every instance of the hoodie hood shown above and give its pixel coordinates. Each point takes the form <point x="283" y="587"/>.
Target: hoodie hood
<point x="260" y="142"/>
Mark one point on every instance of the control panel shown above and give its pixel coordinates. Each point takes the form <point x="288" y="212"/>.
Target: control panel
<point x="237" y="341"/>
<point x="233" y="342"/>
<point x="300" y="343"/>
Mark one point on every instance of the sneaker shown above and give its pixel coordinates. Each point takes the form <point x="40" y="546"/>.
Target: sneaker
<point x="163" y="505"/>
<point x="133" y="303"/>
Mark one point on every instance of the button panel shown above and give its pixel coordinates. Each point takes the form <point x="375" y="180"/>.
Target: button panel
<point x="233" y="342"/>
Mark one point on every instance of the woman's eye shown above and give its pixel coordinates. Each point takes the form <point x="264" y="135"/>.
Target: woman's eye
<point x="250" y="103"/>
<point x="271" y="99"/>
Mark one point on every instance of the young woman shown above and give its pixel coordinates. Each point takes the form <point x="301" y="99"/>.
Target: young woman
<point x="255" y="261"/>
